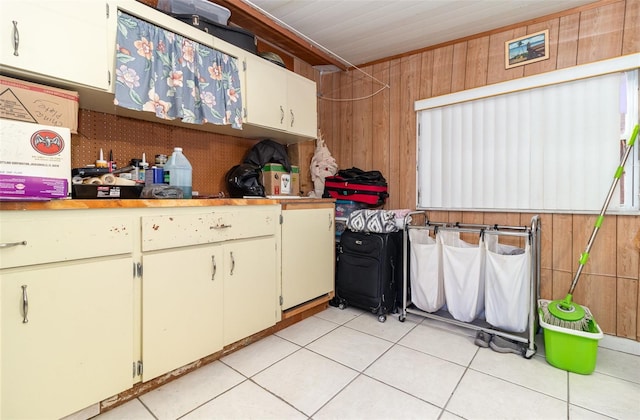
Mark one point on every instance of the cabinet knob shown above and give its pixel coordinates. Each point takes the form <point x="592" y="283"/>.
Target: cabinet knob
<point x="222" y="226"/>
<point x="233" y="264"/>
<point x="16" y="38"/>
<point x="10" y="244"/>
<point x="25" y="304"/>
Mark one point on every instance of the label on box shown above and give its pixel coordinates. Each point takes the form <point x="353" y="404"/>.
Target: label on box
<point x="277" y="181"/>
<point x="35" y="151"/>
<point x="107" y="191"/>
<point x="285" y="183"/>
<point x="32" y="188"/>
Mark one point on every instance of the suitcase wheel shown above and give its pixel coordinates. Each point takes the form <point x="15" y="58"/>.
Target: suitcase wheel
<point x="342" y="304"/>
<point x="382" y="318"/>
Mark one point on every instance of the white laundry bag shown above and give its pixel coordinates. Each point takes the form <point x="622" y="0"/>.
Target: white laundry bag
<point x="427" y="289"/>
<point x="507" y="290"/>
<point x="463" y="275"/>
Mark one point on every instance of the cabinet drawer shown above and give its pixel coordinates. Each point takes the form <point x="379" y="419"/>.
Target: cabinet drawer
<point x="43" y="237"/>
<point x="177" y="230"/>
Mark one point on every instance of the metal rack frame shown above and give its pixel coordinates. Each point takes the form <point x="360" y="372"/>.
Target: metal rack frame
<point x="531" y="233"/>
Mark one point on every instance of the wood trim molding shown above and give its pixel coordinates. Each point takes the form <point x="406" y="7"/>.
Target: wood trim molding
<point x="263" y="27"/>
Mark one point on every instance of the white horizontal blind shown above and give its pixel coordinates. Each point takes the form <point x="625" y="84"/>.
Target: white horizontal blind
<point x="552" y="148"/>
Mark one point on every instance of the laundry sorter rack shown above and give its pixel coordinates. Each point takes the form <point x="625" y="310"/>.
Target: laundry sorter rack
<point x="525" y="335"/>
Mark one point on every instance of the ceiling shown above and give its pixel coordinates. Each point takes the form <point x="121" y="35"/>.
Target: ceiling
<point x="362" y="31"/>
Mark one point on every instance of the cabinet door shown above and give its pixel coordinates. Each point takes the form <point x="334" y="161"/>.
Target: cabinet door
<point x="76" y="348"/>
<point x="181" y="307"/>
<point x="65" y="40"/>
<point x="249" y="288"/>
<point x="302" y="106"/>
<point x="266" y="94"/>
<point x="308" y="244"/>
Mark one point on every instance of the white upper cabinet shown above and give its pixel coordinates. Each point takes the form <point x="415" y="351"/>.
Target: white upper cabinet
<point x="60" y="40"/>
<point x="302" y="104"/>
<point x="278" y="99"/>
<point x="72" y="44"/>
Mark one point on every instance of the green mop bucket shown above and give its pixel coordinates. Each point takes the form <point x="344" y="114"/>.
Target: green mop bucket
<point x="571" y="350"/>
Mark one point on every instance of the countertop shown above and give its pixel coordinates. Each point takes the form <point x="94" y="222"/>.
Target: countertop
<point x="72" y="204"/>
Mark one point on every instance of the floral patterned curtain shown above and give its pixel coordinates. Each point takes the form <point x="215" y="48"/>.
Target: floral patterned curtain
<point x="174" y="77"/>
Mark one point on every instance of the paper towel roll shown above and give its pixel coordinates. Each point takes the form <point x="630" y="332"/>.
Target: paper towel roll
<point x="108" y="179"/>
<point x="93" y="181"/>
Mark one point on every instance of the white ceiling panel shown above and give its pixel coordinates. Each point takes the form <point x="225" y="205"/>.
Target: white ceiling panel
<point x="361" y="31"/>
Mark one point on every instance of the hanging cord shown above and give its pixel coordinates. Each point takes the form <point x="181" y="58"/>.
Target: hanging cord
<point x="353" y="99"/>
<point x="348" y="99"/>
<point x="345" y="61"/>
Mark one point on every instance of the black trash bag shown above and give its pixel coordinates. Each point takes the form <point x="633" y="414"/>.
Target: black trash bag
<point x="244" y="180"/>
<point x="268" y="151"/>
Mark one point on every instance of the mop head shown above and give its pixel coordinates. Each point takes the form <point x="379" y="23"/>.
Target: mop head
<point x="581" y="324"/>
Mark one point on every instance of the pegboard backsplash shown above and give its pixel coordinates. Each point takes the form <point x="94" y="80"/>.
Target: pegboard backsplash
<point x="210" y="154"/>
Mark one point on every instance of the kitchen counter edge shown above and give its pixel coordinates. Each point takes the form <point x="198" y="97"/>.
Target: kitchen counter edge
<point x="76" y="204"/>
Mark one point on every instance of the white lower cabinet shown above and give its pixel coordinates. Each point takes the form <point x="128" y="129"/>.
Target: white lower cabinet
<point x="250" y="286"/>
<point x="181" y="307"/>
<point x="67" y="336"/>
<point x="93" y="301"/>
<point x="66" y="304"/>
<point x="308" y="243"/>
<point x="209" y="278"/>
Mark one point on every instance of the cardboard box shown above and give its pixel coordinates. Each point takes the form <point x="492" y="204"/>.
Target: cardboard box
<point x="35" y="161"/>
<point x="300" y="155"/>
<point x="40" y="104"/>
<point x="277" y="181"/>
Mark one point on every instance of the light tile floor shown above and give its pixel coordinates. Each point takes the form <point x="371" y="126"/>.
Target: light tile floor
<point x="344" y="364"/>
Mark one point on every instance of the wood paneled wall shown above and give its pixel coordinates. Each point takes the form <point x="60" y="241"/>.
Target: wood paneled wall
<point x="368" y="121"/>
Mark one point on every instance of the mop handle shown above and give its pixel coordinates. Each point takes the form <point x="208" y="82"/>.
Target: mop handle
<point x="585" y="255"/>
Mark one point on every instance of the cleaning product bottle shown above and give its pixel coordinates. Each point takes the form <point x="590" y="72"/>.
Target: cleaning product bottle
<point x="177" y="172"/>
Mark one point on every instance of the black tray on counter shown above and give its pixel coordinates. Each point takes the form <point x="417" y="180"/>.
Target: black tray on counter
<point x="106" y="191"/>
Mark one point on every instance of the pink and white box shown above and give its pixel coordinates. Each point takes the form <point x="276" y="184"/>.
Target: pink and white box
<point x="35" y="161"/>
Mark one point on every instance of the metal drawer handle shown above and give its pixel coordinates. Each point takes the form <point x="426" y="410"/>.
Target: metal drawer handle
<point x="10" y="244"/>
<point x="215" y="268"/>
<point x="233" y="263"/>
<point x="281" y="114"/>
<point x="293" y="117"/>
<point x="25" y="304"/>
<point x="222" y="226"/>
<point x="16" y="38"/>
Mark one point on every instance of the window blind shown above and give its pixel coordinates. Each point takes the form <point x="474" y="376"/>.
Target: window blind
<point x="550" y="148"/>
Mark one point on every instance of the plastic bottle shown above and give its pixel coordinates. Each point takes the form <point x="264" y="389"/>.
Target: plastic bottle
<point x="177" y="172"/>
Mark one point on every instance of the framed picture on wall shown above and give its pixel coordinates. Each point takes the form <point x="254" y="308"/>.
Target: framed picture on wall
<point x="526" y="49"/>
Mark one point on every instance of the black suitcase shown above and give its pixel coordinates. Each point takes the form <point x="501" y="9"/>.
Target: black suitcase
<point x="236" y="36"/>
<point x="369" y="271"/>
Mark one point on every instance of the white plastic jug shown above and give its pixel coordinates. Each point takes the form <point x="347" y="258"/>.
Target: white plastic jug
<point x="178" y="172"/>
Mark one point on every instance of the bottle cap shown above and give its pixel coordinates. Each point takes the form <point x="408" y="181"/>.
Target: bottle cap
<point x="177" y="149"/>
